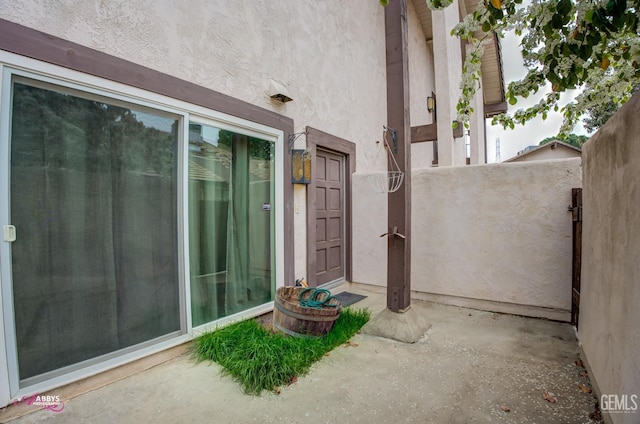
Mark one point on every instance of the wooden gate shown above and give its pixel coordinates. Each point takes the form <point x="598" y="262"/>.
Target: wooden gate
<point x="576" y="213"/>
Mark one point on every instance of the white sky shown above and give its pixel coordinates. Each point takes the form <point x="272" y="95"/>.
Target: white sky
<point x="533" y="132"/>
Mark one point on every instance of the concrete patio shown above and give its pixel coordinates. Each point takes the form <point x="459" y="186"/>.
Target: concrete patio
<point x="470" y="367"/>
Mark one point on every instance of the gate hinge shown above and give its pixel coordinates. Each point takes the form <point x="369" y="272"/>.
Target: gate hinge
<point x="576" y="213"/>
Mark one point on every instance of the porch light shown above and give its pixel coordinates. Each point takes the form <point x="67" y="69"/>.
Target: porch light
<point x="300" y="167"/>
<point x="431" y="103"/>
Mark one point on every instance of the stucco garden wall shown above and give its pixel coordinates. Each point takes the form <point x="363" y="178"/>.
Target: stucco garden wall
<point x="609" y="329"/>
<point x="493" y="237"/>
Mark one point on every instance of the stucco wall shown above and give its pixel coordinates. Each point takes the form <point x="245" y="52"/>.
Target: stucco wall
<point x="495" y="237"/>
<point x="330" y="57"/>
<point x="421" y="85"/>
<point x="236" y="47"/>
<point x="609" y="329"/>
<point x="369" y="222"/>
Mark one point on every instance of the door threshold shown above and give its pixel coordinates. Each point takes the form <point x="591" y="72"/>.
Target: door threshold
<point x="335" y="284"/>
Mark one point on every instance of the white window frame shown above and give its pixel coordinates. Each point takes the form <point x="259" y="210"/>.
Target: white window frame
<point x="12" y="64"/>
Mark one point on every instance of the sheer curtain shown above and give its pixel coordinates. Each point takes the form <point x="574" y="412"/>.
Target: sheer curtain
<point x="93" y="199"/>
<point x="238" y="289"/>
<point x="231" y="252"/>
<point x="209" y="173"/>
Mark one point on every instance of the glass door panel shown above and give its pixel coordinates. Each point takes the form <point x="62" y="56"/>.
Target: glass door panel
<point x="93" y="196"/>
<point x="231" y="221"/>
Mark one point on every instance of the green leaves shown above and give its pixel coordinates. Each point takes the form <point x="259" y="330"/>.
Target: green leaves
<point x="565" y="44"/>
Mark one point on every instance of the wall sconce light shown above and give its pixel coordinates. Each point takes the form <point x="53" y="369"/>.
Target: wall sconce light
<point x="278" y="92"/>
<point x="300" y="167"/>
<point x="431" y="103"/>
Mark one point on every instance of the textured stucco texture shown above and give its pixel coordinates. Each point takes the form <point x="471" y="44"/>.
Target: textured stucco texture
<point x="609" y="328"/>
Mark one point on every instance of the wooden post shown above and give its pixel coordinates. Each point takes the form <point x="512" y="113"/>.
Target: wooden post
<point x="399" y="202"/>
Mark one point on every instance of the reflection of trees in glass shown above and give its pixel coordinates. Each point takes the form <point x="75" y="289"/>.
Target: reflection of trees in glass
<point x="258" y="148"/>
<point x="88" y="135"/>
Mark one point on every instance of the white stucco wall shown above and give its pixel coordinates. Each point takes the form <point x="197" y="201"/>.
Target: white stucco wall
<point x="448" y="75"/>
<point x="330" y="57"/>
<point x="609" y="330"/>
<point x="495" y="237"/>
<point x="369" y="222"/>
<point x="421" y="85"/>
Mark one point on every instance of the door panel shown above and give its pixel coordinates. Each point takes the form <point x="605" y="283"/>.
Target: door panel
<point x="231" y="252"/>
<point x="329" y="181"/>
<point x="93" y="197"/>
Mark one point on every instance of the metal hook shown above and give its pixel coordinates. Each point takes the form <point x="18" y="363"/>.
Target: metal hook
<point x="293" y="137"/>
<point x="394" y="137"/>
<point x="394" y="232"/>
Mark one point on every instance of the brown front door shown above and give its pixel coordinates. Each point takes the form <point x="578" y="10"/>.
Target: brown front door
<point x="329" y="188"/>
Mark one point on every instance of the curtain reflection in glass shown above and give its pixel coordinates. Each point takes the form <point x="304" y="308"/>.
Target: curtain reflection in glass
<point x="230" y="222"/>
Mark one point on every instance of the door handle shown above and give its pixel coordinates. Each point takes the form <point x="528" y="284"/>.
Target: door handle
<point x="8" y="233"/>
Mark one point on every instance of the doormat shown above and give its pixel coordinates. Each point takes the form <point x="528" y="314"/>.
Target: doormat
<point x="347" y="298"/>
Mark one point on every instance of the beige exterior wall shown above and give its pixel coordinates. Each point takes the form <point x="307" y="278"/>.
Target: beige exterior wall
<point x="421" y="85"/>
<point x="609" y="330"/>
<point x="369" y="222"/>
<point x="495" y="237"/>
<point x="448" y="75"/>
<point x="330" y="57"/>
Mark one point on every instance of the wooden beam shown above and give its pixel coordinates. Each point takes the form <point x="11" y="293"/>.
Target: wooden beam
<point x="424" y="133"/>
<point x="399" y="202"/>
<point x="429" y="132"/>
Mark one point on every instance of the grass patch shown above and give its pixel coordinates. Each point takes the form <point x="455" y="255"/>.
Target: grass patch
<point x="260" y="360"/>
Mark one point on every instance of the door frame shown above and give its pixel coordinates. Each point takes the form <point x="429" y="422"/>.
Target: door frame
<point x="319" y="139"/>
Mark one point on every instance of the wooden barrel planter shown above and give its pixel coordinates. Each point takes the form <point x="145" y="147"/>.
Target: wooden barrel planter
<point x="299" y="321"/>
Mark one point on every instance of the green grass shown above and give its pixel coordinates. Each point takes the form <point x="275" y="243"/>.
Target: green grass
<point x="260" y="360"/>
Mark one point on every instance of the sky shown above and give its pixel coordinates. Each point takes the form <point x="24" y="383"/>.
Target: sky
<point x="530" y="134"/>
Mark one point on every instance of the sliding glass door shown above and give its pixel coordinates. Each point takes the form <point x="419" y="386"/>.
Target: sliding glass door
<point x="93" y="198"/>
<point x="231" y="222"/>
<point x="124" y="206"/>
